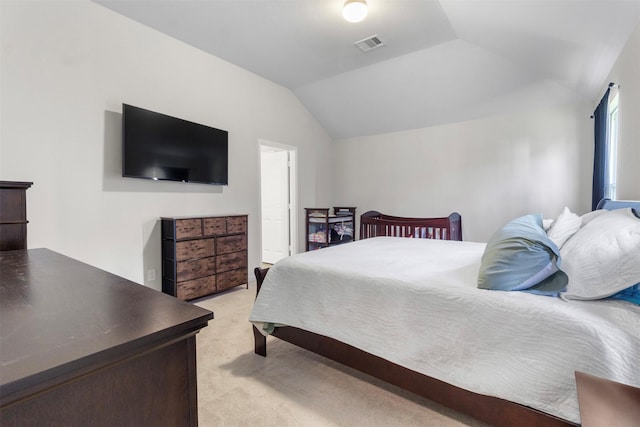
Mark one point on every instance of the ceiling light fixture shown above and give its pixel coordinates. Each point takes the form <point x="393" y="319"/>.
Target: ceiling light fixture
<point x="354" y="10"/>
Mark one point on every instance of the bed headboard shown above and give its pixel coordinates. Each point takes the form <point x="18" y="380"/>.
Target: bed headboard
<point x="374" y="223"/>
<point x="610" y="205"/>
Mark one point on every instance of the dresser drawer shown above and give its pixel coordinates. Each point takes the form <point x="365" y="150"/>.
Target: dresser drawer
<point x="215" y="226"/>
<point x="191" y="249"/>
<point x="188" y="270"/>
<point x="236" y="224"/>
<point x="186" y="228"/>
<point x="196" y="288"/>
<point x="230" y="279"/>
<point x="231" y="261"/>
<point x="229" y="244"/>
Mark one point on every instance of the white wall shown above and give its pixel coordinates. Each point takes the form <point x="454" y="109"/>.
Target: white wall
<point x="489" y="170"/>
<point x="495" y="169"/>
<point x="67" y="66"/>
<point x="626" y="72"/>
<point x="66" y="69"/>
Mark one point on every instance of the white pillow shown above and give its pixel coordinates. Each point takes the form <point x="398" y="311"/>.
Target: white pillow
<point x="586" y="218"/>
<point x="565" y="226"/>
<point x="603" y="258"/>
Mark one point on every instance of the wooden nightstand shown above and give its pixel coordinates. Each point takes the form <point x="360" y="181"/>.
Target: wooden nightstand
<point x="607" y="403"/>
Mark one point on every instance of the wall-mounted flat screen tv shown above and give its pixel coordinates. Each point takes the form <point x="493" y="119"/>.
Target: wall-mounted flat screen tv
<point x="161" y="147"/>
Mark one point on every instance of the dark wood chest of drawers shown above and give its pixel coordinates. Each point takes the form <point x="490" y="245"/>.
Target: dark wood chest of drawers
<point x="203" y="255"/>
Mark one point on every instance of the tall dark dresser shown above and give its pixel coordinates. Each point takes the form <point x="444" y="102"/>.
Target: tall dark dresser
<point x="13" y="215"/>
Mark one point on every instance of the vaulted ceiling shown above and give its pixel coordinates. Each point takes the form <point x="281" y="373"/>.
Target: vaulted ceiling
<point x="442" y="61"/>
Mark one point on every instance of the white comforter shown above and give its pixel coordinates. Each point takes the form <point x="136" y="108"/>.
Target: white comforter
<point x="415" y="302"/>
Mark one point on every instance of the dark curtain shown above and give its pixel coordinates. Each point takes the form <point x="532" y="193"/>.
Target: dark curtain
<point x="600" y="161"/>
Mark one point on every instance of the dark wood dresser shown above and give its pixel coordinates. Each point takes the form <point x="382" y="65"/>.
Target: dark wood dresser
<point x="13" y="215"/>
<point x="83" y="347"/>
<point x="203" y="255"/>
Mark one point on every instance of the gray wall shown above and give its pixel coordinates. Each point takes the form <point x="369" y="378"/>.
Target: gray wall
<point x="66" y="69"/>
<point x="489" y="170"/>
<point x="492" y="170"/>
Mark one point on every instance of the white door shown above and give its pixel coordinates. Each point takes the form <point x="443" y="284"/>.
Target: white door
<point x="274" y="171"/>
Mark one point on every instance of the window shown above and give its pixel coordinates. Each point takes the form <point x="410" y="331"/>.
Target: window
<point x="612" y="146"/>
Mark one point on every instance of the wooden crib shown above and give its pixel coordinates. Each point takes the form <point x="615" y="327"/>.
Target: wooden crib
<point x="373" y="223"/>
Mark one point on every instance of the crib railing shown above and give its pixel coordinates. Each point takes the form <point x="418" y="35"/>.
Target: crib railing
<point x="374" y="224"/>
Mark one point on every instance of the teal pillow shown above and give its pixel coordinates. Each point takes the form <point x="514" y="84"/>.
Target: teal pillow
<point x="520" y="257"/>
<point x="631" y="294"/>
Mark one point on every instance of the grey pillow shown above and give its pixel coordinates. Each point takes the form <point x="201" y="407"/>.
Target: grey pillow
<point x="520" y="257"/>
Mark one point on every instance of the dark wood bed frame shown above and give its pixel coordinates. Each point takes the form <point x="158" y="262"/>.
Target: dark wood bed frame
<point x="374" y="223"/>
<point x="492" y="410"/>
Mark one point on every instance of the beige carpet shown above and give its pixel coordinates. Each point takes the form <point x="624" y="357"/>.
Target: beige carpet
<point x="292" y="386"/>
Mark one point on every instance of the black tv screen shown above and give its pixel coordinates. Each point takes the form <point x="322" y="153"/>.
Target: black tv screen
<point x="161" y="147"/>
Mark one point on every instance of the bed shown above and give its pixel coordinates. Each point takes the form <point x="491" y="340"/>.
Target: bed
<point x="458" y="335"/>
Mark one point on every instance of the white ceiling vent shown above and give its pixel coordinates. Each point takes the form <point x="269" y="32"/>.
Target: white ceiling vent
<point x="369" y="43"/>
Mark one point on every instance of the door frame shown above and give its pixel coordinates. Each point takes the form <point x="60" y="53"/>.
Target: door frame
<point x="293" y="191"/>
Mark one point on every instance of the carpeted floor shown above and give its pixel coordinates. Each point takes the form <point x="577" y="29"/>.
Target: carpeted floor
<point x="291" y="386"/>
